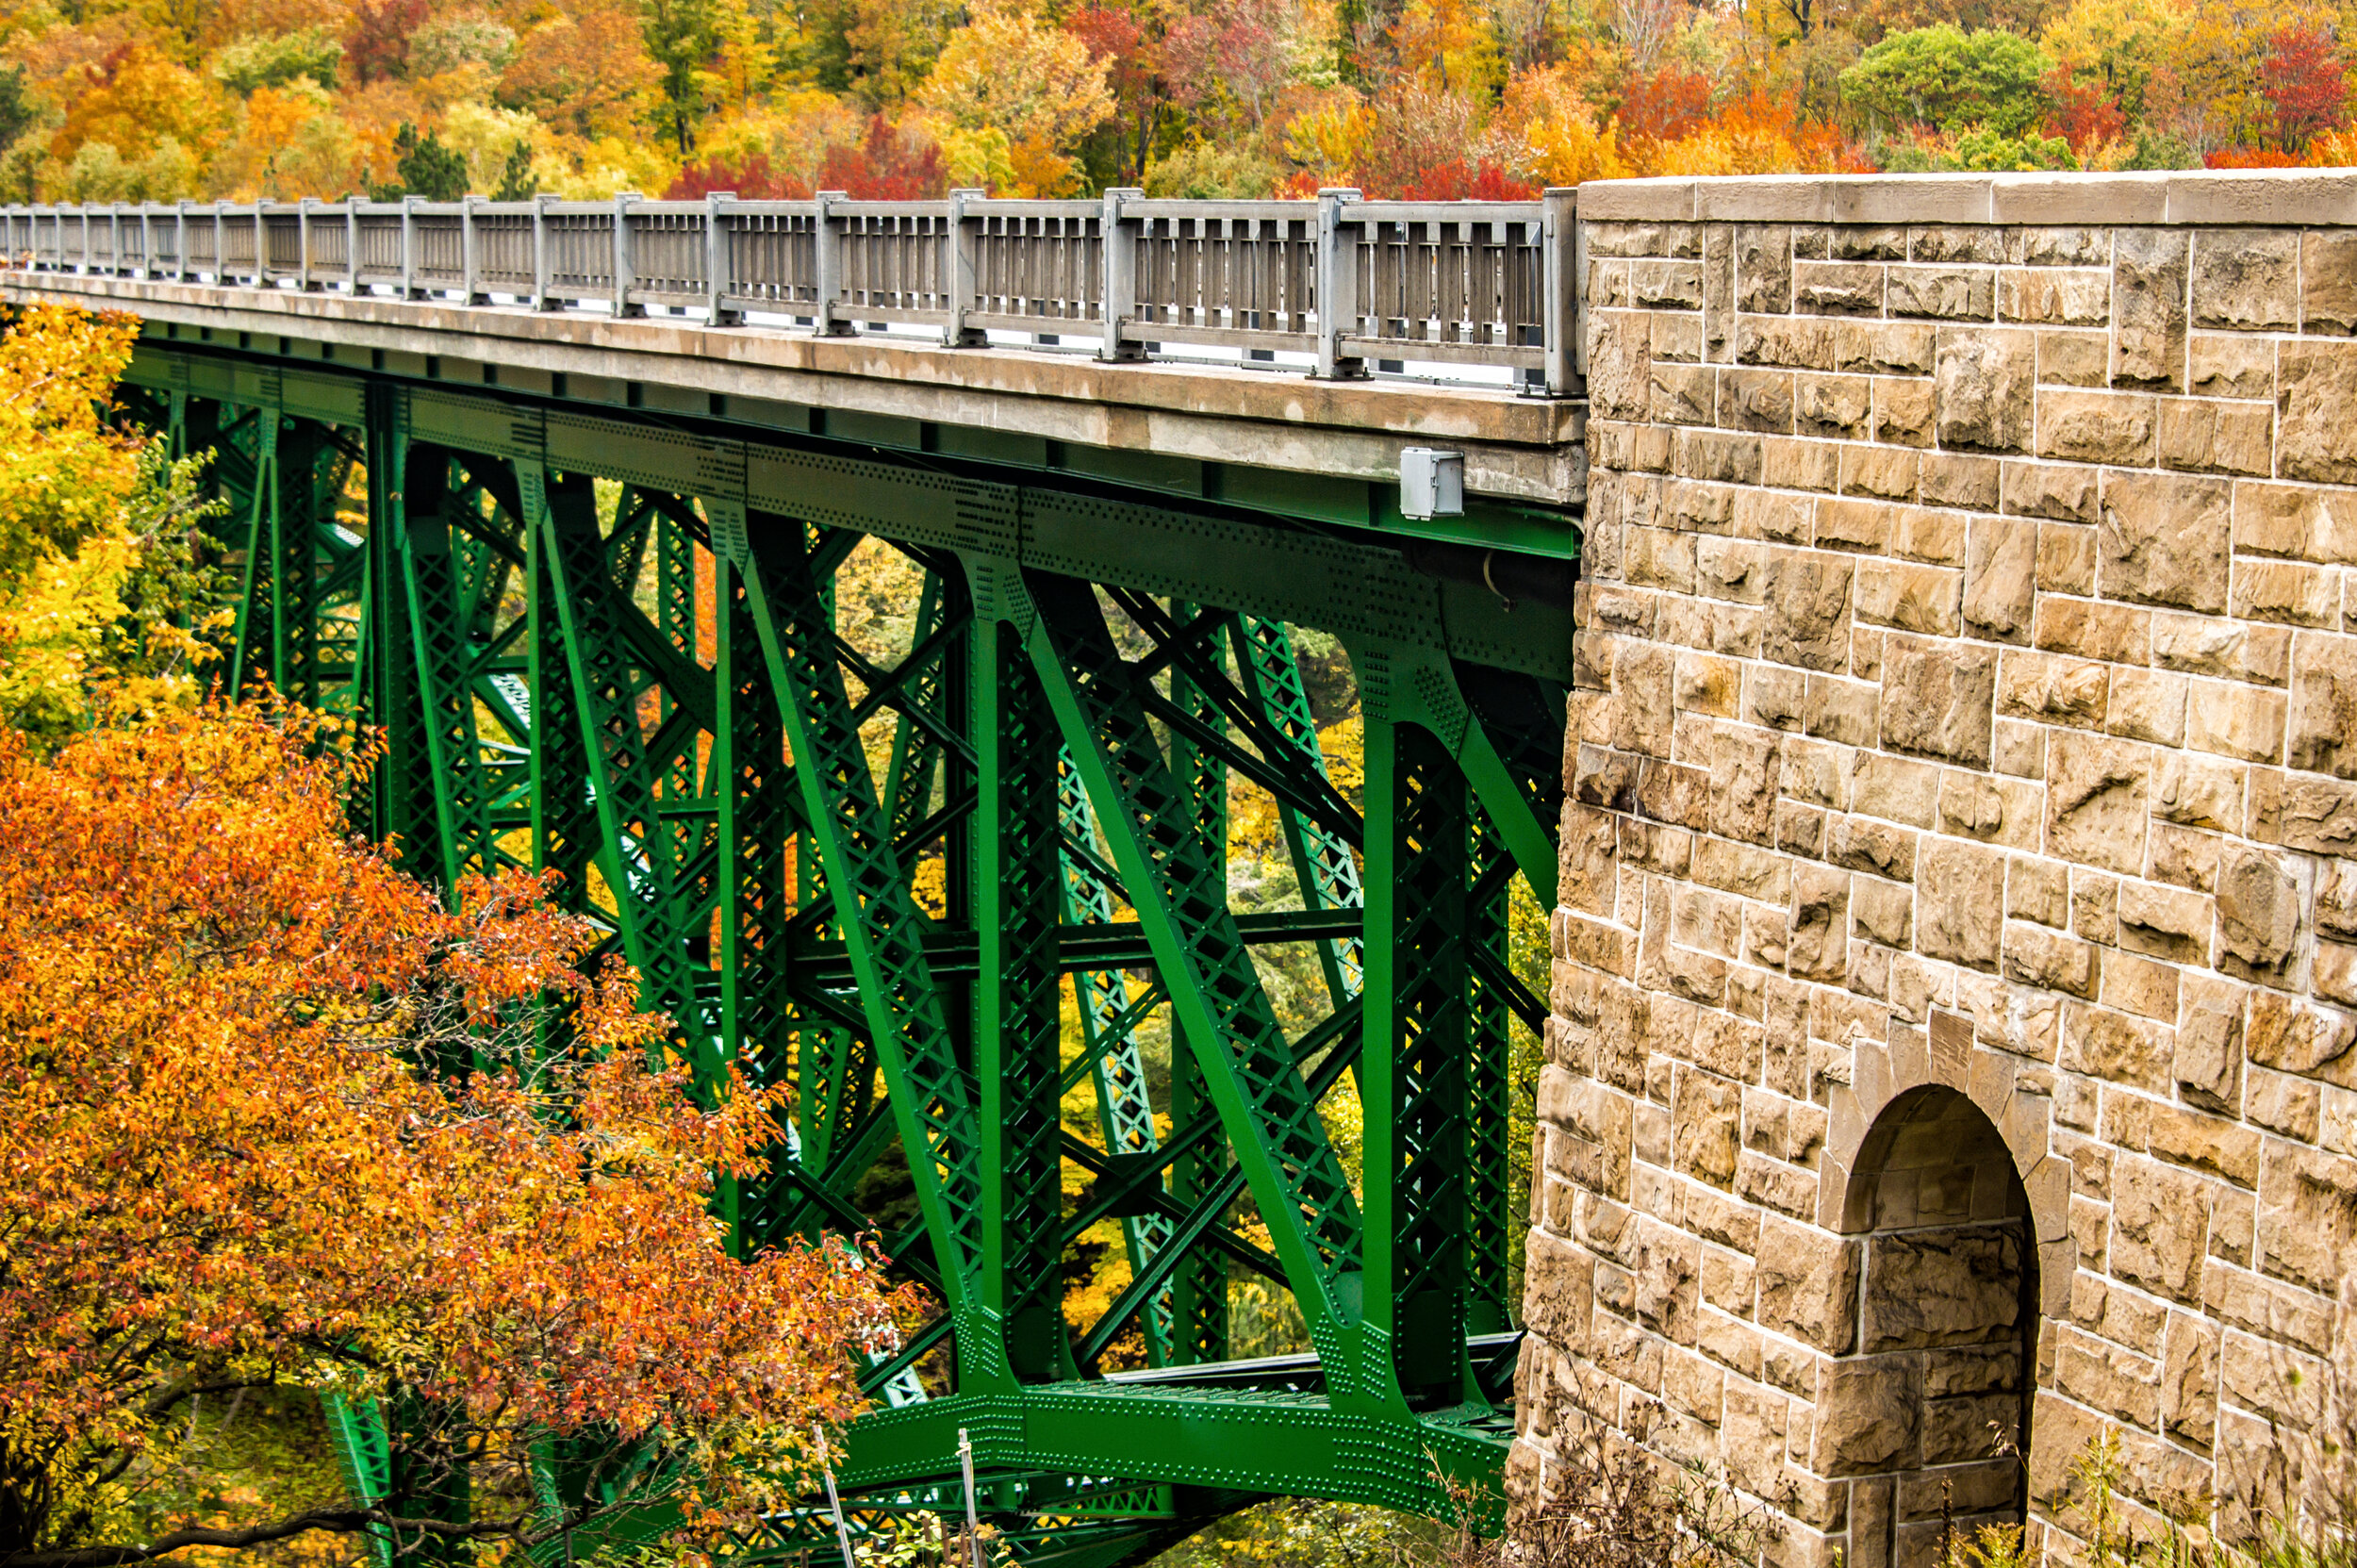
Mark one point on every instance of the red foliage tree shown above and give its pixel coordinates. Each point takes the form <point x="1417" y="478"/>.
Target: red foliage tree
<point x="1668" y="104"/>
<point x="2302" y="80"/>
<point x="2084" y="116"/>
<point x="1132" y="59"/>
<point x="1456" y="181"/>
<point x="378" y="44"/>
<point x="754" y="179"/>
<point x="886" y="166"/>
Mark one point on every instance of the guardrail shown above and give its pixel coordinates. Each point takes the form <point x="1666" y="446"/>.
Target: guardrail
<point x="1341" y="280"/>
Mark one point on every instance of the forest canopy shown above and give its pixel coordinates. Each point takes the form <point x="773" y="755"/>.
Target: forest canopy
<point x="103" y="100"/>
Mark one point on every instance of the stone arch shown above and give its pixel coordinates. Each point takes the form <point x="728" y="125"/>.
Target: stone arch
<point x="1925" y="1416"/>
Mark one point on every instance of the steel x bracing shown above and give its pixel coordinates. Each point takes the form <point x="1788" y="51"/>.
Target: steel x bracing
<point x="861" y="763"/>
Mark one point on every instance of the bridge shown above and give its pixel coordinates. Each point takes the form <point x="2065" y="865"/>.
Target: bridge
<point x="561" y="497"/>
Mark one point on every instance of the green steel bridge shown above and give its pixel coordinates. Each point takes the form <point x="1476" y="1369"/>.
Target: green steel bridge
<point x="595" y="611"/>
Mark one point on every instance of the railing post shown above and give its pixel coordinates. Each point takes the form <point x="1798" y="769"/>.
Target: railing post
<point x="181" y="271"/>
<point x="716" y="259"/>
<point x="1338" y="287"/>
<point x="90" y="261"/>
<point x="408" y="247"/>
<point x="1566" y="357"/>
<point x="624" y="277"/>
<point x="351" y="241"/>
<point x="958" y="262"/>
<point x="827" y="254"/>
<point x="1118" y="292"/>
<point x="303" y="243"/>
<point x="467" y="262"/>
<point x="540" y="268"/>
<point x="220" y="248"/>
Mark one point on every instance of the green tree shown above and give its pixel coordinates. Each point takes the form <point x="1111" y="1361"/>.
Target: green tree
<point x="1944" y="76"/>
<point x="682" y="36"/>
<point x="423" y="167"/>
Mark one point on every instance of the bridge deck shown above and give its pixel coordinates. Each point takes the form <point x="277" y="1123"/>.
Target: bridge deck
<point x="1517" y="448"/>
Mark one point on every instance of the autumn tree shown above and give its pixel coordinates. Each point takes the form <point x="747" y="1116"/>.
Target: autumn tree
<point x="1036" y="86"/>
<point x="1945" y="77"/>
<point x="279" y="1119"/>
<point x="2303" y="84"/>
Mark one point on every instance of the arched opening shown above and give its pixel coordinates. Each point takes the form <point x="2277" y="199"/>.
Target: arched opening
<point x="1927" y="1417"/>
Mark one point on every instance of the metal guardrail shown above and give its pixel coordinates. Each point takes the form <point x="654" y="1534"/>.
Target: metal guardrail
<point x="1341" y="280"/>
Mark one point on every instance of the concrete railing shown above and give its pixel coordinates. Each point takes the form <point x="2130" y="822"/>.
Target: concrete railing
<point x="1340" y="280"/>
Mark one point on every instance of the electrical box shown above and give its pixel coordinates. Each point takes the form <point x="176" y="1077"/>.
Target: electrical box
<point x="1431" y="483"/>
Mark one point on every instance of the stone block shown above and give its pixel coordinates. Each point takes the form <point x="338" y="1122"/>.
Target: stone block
<point x="1808" y="598"/>
<point x="1882" y="911"/>
<point x="1705" y="1117"/>
<point x="2324" y="705"/>
<point x="1909" y="598"/>
<point x="2114" y="633"/>
<point x="2198" y="792"/>
<point x="2034" y="956"/>
<point x="2164" y="541"/>
<point x="2328" y="282"/>
<point x="2246" y="280"/>
<point x="1939" y="699"/>
<point x="1902" y="411"/>
<point x="1960" y="916"/>
<point x="2202" y="645"/>
<point x="2236" y="721"/>
<point x="1832" y="407"/>
<point x="1683" y="394"/>
<point x="2000" y="578"/>
<point x="2166" y="922"/>
<point x="2214" y="1144"/>
<point x="2038" y="890"/>
<point x="1818" y="945"/>
<point x="2149" y="316"/>
<point x="2287" y="591"/>
<point x="2074" y="358"/>
<point x="2000" y="811"/>
<point x="2064" y="492"/>
<point x="1763" y="267"/>
<point x="1887" y="472"/>
<point x="1884" y="348"/>
<point x="2316" y="438"/>
<point x="2298" y="521"/>
<point x="2207" y="1062"/>
<point x="1755" y="400"/>
<point x="2097" y="427"/>
<point x="1981" y="380"/>
<point x="1808" y="1285"/>
<point x="2096" y="793"/>
<point x="2217" y="438"/>
<point x="2148" y="705"/>
<point x="1869" y="1418"/>
<point x="1836" y="288"/>
<point x="2160" y="1227"/>
<point x="1745" y="764"/>
<point x="2223" y="365"/>
<point x="1948" y="293"/>
<point x="1956" y="1285"/>
<point x="1862" y="843"/>
<point x="2054" y="296"/>
<point x="2051" y="689"/>
<point x="1797" y="343"/>
<point x="1848" y="712"/>
<point x="2307" y="1215"/>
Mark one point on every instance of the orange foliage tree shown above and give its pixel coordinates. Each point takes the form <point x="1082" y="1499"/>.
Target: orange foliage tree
<point x="279" y="1119"/>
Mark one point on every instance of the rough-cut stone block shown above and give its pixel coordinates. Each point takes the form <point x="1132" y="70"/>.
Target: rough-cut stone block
<point x="2287" y="591"/>
<point x="2054" y="296"/>
<point x="2247" y="280"/>
<point x="2064" y="492"/>
<point x="1945" y="293"/>
<point x="2074" y="358"/>
<point x="2328" y="282"/>
<point x="2000" y="578"/>
<point x="1939" y="699"/>
<point x="1807" y="596"/>
<point x="1961" y="907"/>
<point x="2052" y="689"/>
<point x="2217" y="438"/>
<point x="1836" y="288"/>
<point x="2096" y="427"/>
<point x="2095" y="795"/>
<point x="2324" y="705"/>
<point x="2223" y="365"/>
<point x="2315" y="437"/>
<point x="2165" y="539"/>
<point x="2148" y="280"/>
<point x="2160" y="1226"/>
<point x="1833" y="407"/>
<point x="1981" y="385"/>
<point x="1909" y="598"/>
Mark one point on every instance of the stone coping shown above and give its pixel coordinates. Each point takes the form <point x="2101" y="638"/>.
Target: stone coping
<point x="2294" y="197"/>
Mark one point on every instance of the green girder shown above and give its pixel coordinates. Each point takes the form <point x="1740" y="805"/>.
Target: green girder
<point x="610" y="648"/>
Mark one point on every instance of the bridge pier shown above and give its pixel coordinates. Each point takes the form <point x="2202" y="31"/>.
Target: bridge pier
<point x="1951" y="1037"/>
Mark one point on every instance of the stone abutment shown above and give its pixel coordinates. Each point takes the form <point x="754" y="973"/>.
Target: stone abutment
<point x="1955" y="971"/>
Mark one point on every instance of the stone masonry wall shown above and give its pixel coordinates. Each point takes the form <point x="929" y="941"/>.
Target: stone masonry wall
<point x="1957" y="942"/>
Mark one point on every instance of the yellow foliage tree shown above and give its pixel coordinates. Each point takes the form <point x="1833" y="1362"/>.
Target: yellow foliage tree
<point x="1005" y="71"/>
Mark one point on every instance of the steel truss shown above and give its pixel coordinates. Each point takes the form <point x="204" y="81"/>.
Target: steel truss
<point x="612" y="648"/>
